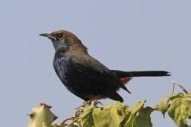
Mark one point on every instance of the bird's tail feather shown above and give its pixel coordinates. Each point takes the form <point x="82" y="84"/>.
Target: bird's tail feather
<point x="121" y="74"/>
<point x="115" y="96"/>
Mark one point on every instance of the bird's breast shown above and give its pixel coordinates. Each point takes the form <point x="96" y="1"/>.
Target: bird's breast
<point x="62" y="66"/>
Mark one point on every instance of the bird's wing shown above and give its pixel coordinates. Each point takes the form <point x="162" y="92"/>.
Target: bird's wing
<point x="91" y="69"/>
<point x="91" y="62"/>
<point x="96" y="72"/>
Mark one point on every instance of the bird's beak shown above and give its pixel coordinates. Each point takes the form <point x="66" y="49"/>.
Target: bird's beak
<point x="48" y="35"/>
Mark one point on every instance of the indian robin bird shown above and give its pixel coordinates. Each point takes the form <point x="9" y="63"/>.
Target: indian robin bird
<point x="85" y="76"/>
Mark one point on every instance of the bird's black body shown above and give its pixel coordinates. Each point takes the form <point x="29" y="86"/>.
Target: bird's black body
<point x="84" y="80"/>
<point x="83" y="75"/>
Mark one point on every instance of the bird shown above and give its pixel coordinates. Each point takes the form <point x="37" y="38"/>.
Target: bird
<point x="85" y="76"/>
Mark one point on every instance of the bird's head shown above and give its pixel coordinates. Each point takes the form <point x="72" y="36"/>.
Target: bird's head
<point x="62" y="39"/>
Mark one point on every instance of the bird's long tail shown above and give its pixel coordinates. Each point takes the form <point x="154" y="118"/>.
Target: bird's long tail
<point x="121" y="74"/>
<point x="125" y="77"/>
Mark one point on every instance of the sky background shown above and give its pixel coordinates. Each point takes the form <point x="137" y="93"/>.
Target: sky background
<point x="126" y="35"/>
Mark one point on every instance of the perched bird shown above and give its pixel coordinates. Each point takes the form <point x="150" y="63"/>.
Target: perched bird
<point x="85" y="76"/>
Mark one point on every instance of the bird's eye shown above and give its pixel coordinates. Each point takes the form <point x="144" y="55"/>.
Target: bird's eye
<point x="59" y="35"/>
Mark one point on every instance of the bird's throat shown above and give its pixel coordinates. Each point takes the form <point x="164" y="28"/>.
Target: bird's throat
<point x="60" y="46"/>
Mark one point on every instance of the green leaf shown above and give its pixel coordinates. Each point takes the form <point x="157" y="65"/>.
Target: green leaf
<point x="109" y="116"/>
<point x="164" y="105"/>
<point x="143" y="118"/>
<point x="41" y="116"/>
<point x="86" y="119"/>
<point x="180" y="110"/>
<point x="139" y="116"/>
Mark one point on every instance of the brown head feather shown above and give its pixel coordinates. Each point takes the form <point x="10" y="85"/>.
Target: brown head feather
<point x="69" y="37"/>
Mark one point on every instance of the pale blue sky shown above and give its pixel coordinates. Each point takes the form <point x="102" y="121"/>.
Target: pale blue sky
<point x="126" y="35"/>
